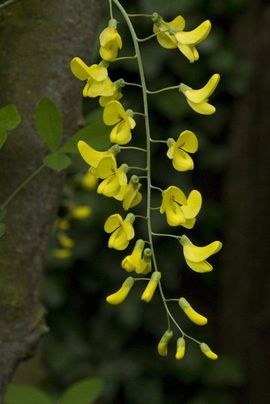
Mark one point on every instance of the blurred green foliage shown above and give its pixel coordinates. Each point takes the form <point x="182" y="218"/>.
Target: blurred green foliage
<point x="118" y="344"/>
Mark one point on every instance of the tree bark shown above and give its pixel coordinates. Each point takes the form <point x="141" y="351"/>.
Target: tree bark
<point x="37" y="40"/>
<point x="246" y="277"/>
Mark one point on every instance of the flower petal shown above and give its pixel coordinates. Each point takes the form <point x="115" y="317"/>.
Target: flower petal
<point x="201" y="267"/>
<point x="182" y="161"/>
<point x="118" y="240"/>
<point x="79" y="69"/>
<point x="193" y="205"/>
<point x="187" y="141"/>
<point x="195" y="36"/>
<point x="112" y="223"/>
<point x="121" y="133"/>
<point x="203" y="108"/>
<point x="198" y="96"/>
<point x="187" y="51"/>
<point x="113" y="113"/>
<point x="98" y="73"/>
<point x="106" y="167"/>
<point x="90" y="155"/>
<point x="197" y="254"/>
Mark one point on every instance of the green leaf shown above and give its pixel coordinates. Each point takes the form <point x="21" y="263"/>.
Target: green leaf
<point x="3" y="138"/>
<point x="2" y="229"/>
<point x="19" y="394"/>
<point x="96" y="135"/>
<point x="57" y="161"/>
<point x="3" y="212"/>
<point x="9" y="118"/>
<point x="85" y="391"/>
<point x="49" y="123"/>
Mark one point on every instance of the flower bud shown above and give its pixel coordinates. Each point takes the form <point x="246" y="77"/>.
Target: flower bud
<point x="151" y="287"/>
<point x="163" y="343"/>
<point x="208" y="352"/>
<point x="119" y="296"/>
<point x="180" y="348"/>
<point x="191" y="313"/>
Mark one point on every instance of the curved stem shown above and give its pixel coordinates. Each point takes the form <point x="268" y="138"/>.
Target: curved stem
<point x="165" y="235"/>
<point x="21" y="186"/>
<point x="139" y="15"/>
<point x="125" y="58"/>
<point x="157" y="188"/>
<point x="133" y="148"/>
<point x="7" y="3"/>
<point x="162" y="90"/>
<point x="158" y="141"/>
<point x="149" y="37"/>
<point x="133" y="84"/>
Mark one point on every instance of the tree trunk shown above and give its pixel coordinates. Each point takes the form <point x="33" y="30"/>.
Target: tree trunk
<point x="37" y="40"/>
<point x="246" y="277"/>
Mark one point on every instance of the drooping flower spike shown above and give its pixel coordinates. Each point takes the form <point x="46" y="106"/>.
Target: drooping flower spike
<point x="178" y="151"/>
<point x="179" y="210"/>
<point x="171" y="35"/>
<point x="98" y="82"/>
<point x="198" y="99"/>
<point x="114" y="114"/>
<point x="110" y="42"/>
<point x="122" y="231"/>
<point x="196" y="256"/>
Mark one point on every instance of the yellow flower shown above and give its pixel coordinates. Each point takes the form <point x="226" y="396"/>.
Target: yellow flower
<point x="163" y="343"/>
<point x="207" y="351"/>
<point x="114" y="114"/>
<point x="180" y="348"/>
<point x="94" y="158"/>
<point x="81" y="212"/>
<point x="62" y="253"/>
<point x="130" y="194"/>
<point x="112" y="184"/>
<point x="116" y="95"/>
<point x="191" y="313"/>
<point x="151" y="287"/>
<point x="110" y="42"/>
<point x="98" y="82"/>
<point x="146" y="263"/>
<point x="63" y="224"/>
<point x="122" y="231"/>
<point x="179" y="210"/>
<point x="133" y="261"/>
<point x="196" y="256"/>
<point x="65" y="240"/>
<point x="187" y="142"/>
<point x="89" y="181"/>
<point x="119" y="296"/>
<point x="171" y="35"/>
<point x="198" y="99"/>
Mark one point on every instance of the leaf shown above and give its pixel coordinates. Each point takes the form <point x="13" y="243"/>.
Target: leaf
<point x="96" y="135"/>
<point x="3" y="138"/>
<point x="57" y="161"/>
<point x="85" y="391"/>
<point x="19" y="394"/>
<point x="49" y="123"/>
<point x="2" y="229"/>
<point x="3" y="212"/>
<point x="9" y="118"/>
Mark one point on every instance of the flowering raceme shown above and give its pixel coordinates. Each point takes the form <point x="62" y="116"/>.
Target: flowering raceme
<point x="110" y="42"/>
<point x="114" y="114"/>
<point x="180" y="210"/>
<point x="171" y="35"/>
<point x="198" y="99"/>
<point x="187" y="142"/>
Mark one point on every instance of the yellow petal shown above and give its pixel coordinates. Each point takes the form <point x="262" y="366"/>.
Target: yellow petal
<point x="98" y="73"/>
<point x="151" y="287"/>
<point x="189" y="223"/>
<point x="195" y="36"/>
<point x="197" y="254"/>
<point x="193" y="205"/>
<point x="118" y="240"/>
<point x="119" y="296"/>
<point x="198" y="96"/>
<point x="165" y="39"/>
<point x="65" y="240"/>
<point x="129" y="230"/>
<point x="106" y="167"/>
<point x="112" y="223"/>
<point x="174" y="215"/>
<point x="121" y="133"/>
<point x="113" y="113"/>
<point x="187" y="51"/>
<point x="90" y="155"/>
<point x="182" y="161"/>
<point x="204" y="108"/>
<point x="200" y="267"/>
<point x="163" y="343"/>
<point x="181" y="347"/>
<point x="207" y="351"/>
<point x="187" y="141"/>
<point x="79" y="69"/>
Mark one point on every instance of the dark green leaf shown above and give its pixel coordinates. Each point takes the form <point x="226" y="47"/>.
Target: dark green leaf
<point x="85" y="391"/>
<point x="96" y="135"/>
<point x="17" y="394"/>
<point x="57" y="161"/>
<point x="49" y="123"/>
<point x="9" y="118"/>
<point x="2" y="229"/>
<point x="3" y="138"/>
<point x="3" y="212"/>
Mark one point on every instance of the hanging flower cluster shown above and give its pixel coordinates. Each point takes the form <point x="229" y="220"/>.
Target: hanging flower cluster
<point x="115" y="181"/>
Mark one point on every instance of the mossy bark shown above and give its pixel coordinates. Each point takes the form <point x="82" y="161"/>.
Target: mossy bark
<point x="246" y="276"/>
<point x="37" y="40"/>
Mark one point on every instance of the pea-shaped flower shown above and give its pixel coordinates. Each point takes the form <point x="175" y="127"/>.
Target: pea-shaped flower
<point x="179" y="210"/>
<point x="133" y="261"/>
<point x="163" y="343"/>
<point x="196" y="256"/>
<point x="116" y="95"/>
<point x="198" y="99"/>
<point x="98" y="82"/>
<point x="187" y="142"/>
<point x="130" y="193"/>
<point x="121" y="294"/>
<point x="171" y="35"/>
<point x="94" y="158"/>
<point x="150" y="289"/>
<point x="122" y="230"/>
<point x="110" y="42"/>
<point x="112" y="184"/>
<point x="114" y="114"/>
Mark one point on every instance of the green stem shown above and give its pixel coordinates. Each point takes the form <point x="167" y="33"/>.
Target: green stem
<point x="162" y="90"/>
<point x="138" y="113"/>
<point x="139" y="15"/>
<point x="137" y="168"/>
<point x="7" y="3"/>
<point x="111" y="10"/>
<point x="20" y="187"/>
<point x="125" y="58"/>
<point x="165" y="235"/>
<point x="158" y="141"/>
<point x="133" y="84"/>
<point x="148" y="37"/>
<point x="133" y="148"/>
<point x="157" y="188"/>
